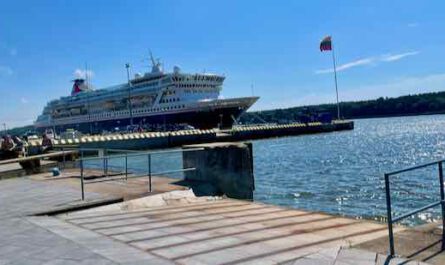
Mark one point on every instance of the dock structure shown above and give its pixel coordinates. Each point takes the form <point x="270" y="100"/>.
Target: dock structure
<point x="152" y="140"/>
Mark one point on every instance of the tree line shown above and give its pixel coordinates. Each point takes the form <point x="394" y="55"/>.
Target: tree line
<point x="427" y="103"/>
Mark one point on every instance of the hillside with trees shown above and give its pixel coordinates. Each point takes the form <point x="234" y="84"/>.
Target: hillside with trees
<point x="427" y="103"/>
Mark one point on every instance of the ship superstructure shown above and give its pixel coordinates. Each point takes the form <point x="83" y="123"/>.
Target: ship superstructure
<point x="155" y="97"/>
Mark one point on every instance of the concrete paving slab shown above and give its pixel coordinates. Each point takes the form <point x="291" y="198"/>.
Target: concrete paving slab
<point x="249" y="235"/>
<point x="112" y="250"/>
<point x="421" y="243"/>
<point x="173" y="230"/>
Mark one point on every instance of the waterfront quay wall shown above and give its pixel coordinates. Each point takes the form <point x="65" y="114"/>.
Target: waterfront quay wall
<point x="221" y="169"/>
<point x="260" y="132"/>
<point x="156" y="140"/>
<point x="141" y="141"/>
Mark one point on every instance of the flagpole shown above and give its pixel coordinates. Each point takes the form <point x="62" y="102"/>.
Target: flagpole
<point x="335" y="78"/>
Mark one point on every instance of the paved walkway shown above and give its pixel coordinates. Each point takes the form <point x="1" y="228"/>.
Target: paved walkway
<point x="23" y="240"/>
<point x="24" y="196"/>
<point x="200" y="232"/>
<point x="236" y="232"/>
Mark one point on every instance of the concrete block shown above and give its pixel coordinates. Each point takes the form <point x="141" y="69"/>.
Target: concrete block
<point x="226" y="166"/>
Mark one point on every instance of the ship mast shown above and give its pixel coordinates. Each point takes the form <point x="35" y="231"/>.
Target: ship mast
<point x="153" y="62"/>
<point x="127" y="65"/>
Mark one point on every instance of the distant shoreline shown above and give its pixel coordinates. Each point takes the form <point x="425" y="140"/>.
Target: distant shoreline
<point x="403" y="106"/>
<point x="397" y="116"/>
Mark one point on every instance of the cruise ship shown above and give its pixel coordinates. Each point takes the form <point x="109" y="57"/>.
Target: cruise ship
<point x="156" y="98"/>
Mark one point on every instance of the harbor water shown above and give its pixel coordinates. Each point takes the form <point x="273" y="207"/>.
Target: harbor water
<point x="342" y="172"/>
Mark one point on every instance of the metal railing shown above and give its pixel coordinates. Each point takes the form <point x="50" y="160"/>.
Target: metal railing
<point x="441" y="202"/>
<point x="62" y="153"/>
<point x="125" y="175"/>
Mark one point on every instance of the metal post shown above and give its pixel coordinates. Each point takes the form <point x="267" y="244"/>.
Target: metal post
<point x="104" y="165"/>
<point x="126" y="167"/>
<point x="81" y="180"/>
<point x="335" y="77"/>
<point x="64" y="159"/>
<point x="149" y="172"/>
<point x="389" y="212"/>
<point x="106" y="161"/>
<point x="127" y="65"/>
<point x="442" y="203"/>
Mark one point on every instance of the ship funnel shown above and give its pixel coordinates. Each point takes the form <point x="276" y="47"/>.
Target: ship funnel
<point x="80" y="85"/>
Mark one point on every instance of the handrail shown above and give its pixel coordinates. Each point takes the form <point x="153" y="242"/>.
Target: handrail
<point x="125" y="174"/>
<point x="414" y="167"/>
<point x="418" y="210"/>
<point x="27" y="158"/>
<point x="174" y="171"/>
<point x="137" y="176"/>
<point x="140" y="154"/>
<point x="441" y="202"/>
<point x="123" y="151"/>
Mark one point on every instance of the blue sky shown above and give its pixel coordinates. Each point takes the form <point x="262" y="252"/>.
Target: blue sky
<point x="383" y="48"/>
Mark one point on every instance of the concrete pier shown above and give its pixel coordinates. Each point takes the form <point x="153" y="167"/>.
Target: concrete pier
<point x="153" y="140"/>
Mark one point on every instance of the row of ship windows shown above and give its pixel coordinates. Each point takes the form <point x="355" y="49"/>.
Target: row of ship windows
<point x="169" y="100"/>
<point x="162" y="109"/>
<point x="195" y="85"/>
<point x="197" y="91"/>
<point x="144" y="85"/>
<point x="109" y="115"/>
<point x="105" y="95"/>
<point x="197" y="78"/>
<point x="170" y="92"/>
<point x="138" y="111"/>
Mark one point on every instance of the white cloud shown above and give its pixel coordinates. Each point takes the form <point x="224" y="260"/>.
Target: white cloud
<point x="24" y="100"/>
<point x="345" y="66"/>
<point x="396" y="57"/>
<point x="386" y="58"/>
<point x="79" y="73"/>
<point x="5" y="70"/>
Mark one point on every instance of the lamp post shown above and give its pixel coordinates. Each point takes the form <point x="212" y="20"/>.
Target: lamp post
<point x="127" y="65"/>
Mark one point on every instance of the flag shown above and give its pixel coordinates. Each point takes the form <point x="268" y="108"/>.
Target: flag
<point x="326" y="44"/>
